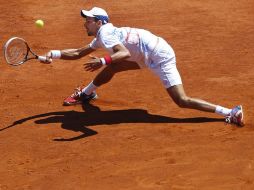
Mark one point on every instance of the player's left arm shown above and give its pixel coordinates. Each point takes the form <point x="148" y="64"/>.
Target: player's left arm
<point x="120" y="53"/>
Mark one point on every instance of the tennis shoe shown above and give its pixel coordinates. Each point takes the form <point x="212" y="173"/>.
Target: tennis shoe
<point x="236" y="116"/>
<point x="79" y="97"/>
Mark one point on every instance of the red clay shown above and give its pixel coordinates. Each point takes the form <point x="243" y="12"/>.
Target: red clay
<point x="133" y="136"/>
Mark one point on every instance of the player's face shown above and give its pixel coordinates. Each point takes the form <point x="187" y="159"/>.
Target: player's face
<point x="91" y="26"/>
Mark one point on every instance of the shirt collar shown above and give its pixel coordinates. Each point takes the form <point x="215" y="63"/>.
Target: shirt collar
<point x="103" y="26"/>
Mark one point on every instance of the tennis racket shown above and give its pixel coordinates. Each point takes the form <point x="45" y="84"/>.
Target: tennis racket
<point x="17" y="52"/>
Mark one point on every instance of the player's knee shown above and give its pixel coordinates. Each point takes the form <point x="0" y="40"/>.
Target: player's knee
<point x="183" y="101"/>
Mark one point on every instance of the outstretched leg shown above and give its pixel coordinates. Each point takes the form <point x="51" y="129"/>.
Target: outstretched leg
<point x="178" y="95"/>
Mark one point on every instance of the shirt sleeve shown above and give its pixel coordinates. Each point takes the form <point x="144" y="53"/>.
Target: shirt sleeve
<point x="94" y="44"/>
<point x="109" y="40"/>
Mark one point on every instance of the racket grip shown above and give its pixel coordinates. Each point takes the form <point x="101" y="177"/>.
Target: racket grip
<point x="44" y="59"/>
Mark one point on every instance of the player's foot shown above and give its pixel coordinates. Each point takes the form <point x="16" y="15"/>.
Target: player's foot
<point x="78" y="97"/>
<point x="236" y="116"/>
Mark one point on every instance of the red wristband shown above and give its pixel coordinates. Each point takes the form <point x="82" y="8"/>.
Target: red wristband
<point x="108" y="59"/>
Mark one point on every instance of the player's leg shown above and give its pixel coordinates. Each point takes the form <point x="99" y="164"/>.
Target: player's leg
<point x="179" y="96"/>
<point x="104" y="76"/>
<point x="172" y="81"/>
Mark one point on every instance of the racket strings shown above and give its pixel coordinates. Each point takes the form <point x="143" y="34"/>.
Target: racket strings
<point x="16" y="52"/>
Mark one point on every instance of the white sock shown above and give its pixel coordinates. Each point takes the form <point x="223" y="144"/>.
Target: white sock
<point x="89" y="88"/>
<point x="222" y="111"/>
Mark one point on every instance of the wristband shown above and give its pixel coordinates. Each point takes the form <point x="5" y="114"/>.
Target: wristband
<point x="103" y="61"/>
<point x="108" y="59"/>
<point x="55" y="54"/>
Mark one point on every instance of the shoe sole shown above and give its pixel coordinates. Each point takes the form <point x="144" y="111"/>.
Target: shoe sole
<point x="71" y="104"/>
<point x="80" y="102"/>
<point x="241" y="122"/>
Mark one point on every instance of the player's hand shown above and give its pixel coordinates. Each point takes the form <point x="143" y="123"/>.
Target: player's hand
<point x="93" y="64"/>
<point x="48" y="59"/>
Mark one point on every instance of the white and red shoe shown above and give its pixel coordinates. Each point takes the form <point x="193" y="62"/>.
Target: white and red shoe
<point x="236" y="116"/>
<point x="78" y="97"/>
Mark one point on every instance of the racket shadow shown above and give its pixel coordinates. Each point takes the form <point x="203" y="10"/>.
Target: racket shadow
<point x="93" y="116"/>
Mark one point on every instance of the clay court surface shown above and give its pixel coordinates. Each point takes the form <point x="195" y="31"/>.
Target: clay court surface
<point x="133" y="137"/>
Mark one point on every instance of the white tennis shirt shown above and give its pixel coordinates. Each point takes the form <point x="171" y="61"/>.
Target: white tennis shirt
<point x="139" y="42"/>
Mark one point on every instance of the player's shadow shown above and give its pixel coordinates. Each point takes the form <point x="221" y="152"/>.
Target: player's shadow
<point x="92" y="115"/>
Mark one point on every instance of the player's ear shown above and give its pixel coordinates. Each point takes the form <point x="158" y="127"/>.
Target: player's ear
<point x="99" y="22"/>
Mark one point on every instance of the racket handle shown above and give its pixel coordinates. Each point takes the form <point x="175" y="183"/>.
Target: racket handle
<point x="44" y="59"/>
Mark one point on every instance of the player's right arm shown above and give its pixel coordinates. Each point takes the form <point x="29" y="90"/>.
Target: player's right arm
<point x="72" y="54"/>
<point x="69" y="54"/>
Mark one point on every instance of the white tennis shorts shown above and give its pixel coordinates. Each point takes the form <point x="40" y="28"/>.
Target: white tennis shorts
<point x="162" y="62"/>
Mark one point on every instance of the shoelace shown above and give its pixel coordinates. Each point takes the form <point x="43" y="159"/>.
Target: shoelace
<point x="77" y="92"/>
<point x="232" y="119"/>
<point x="228" y="119"/>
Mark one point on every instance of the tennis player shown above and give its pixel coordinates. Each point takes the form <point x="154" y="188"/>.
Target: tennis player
<point x="131" y="49"/>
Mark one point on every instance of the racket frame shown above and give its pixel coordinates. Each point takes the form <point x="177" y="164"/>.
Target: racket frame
<point x="26" y="57"/>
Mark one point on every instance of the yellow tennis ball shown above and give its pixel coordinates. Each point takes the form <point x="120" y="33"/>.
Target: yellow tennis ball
<point x="39" y="23"/>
